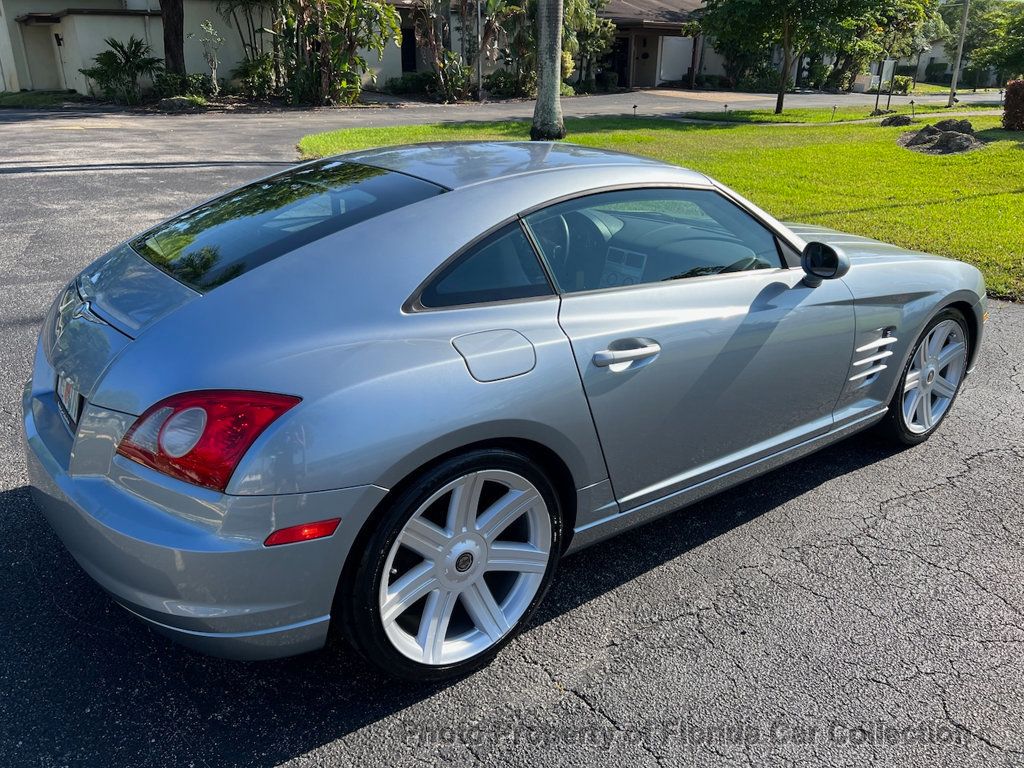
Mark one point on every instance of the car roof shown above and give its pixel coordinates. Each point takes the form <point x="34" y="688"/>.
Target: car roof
<point x="461" y="164"/>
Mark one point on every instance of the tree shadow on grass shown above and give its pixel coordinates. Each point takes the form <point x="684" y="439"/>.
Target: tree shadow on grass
<point x="86" y="683"/>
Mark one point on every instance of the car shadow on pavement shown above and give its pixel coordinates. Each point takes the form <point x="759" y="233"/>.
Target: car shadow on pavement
<point x="81" y="682"/>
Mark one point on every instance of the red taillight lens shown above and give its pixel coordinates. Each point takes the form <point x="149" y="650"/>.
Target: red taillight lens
<point x="201" y="436"/>
<point x="304" y="532"/>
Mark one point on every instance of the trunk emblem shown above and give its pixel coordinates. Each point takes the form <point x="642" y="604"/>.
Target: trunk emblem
<point x="73" y="307"/>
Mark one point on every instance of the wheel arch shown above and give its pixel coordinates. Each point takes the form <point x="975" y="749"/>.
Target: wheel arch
<point x="550" y="462"/>
<point x="972" y="314"/>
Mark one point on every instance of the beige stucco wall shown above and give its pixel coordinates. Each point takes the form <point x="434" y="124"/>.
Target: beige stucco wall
<point x="8" y="68"/>
<point x="30" y="59"/>
<point x="19" y="47"/>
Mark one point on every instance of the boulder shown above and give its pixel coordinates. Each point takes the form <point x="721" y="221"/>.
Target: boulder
<point x="958" y="126"/>
<point x="177" y="104"/>
<point x="925" y="135"/>
<point x="953" y="141"/>
<point x="895" y="120"/>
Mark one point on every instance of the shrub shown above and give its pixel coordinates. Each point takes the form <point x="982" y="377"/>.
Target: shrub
<point x="502" y="84"/>
<point x="608" y="81"/>
<point x="255" y="77"/>
<point x="566" y="90"/>
<point x="117" y="70"/>
<point x="168" y="84"/>
<point x="906" y="69"/>
<point x="900" y="85"/>
<point x="453" y="81"/>
<point x="935" y="72"/>
<point x="411" y="82"/>
<point x="817" y="74"/>
<point x="1013" y="106"/>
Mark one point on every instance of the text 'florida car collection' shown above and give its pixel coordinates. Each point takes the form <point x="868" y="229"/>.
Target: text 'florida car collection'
<point x="385" y="392"/>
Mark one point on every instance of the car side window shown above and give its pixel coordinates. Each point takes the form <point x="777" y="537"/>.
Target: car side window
<point x="502" y="267"/>
<point x="639" y="236"/>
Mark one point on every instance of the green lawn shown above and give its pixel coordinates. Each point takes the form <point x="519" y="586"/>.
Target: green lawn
<point x="36" y="99"/>
<point x="850" y="177"/>
<point x="929" y="89"/>
<point x="825" y="114"/>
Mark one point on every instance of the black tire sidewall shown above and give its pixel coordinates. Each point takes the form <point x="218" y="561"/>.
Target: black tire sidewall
<point x="361" y="612"/>
<point x="896" y="426"/>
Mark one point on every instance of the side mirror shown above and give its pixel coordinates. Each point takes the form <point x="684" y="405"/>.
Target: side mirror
<point x="823" y="262"/>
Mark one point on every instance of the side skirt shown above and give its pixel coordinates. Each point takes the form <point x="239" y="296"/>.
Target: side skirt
<point x="606" y="527"/>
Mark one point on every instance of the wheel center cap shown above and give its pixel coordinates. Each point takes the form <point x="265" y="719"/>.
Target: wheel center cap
<point x="931" y="376"/>
<point x="463" y="562"/>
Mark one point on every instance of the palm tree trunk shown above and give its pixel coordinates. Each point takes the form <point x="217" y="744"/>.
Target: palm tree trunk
<point x="547" y="114"/>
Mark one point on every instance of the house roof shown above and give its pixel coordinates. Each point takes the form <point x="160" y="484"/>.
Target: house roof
<point x="651" y="13"/>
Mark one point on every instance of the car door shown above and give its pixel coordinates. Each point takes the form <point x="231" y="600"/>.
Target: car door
<point x="698" y="349"/>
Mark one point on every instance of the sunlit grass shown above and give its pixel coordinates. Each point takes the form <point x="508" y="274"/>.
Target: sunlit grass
<point x="851" y="177"/>
<point x="827" y="114"/>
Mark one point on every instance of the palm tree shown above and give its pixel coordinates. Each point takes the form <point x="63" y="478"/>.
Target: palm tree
<point x="547" y="114"/>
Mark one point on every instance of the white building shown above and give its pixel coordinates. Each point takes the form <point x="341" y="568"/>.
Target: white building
<point x="44" y="43"/>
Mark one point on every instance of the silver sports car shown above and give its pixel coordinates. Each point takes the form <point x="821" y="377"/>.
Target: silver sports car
<point x="387" y="391"/>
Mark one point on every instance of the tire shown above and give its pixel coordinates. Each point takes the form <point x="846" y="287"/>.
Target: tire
<point x="912" y="421"/>
<point x="423" y="566"/>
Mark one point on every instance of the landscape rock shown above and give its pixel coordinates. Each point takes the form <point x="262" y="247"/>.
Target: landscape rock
<point x="896" y="120"/>
<point x="959" y="126"/>
<point x="953" y="141"/>
<point x="925" y="135"/>
<point x="932" y="140"/>
<point x="177" y="104"/>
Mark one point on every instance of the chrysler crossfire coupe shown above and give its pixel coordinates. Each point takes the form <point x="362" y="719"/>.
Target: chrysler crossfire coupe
<point x="384" y="393"/>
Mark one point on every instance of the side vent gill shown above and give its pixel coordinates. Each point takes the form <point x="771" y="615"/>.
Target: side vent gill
<point x="868" y="358"/>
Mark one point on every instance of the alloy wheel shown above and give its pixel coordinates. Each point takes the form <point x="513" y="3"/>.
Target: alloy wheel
<point x="465" y="567"/>
<point x="934" y="376"/>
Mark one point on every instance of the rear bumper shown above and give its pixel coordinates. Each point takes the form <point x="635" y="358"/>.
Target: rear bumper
<point x="191" y="563"/>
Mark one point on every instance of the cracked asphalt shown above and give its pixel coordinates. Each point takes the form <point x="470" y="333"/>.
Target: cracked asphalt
<point x="860" y="607"/>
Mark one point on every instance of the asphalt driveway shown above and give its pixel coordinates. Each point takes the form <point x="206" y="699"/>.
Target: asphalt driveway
<point x="863" y="606"/>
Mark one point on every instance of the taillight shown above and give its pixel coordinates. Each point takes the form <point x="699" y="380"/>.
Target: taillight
<point x="201" y="436"/>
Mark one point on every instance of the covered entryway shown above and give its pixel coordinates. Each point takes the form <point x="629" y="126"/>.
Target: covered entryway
<point x="41" y="57"/>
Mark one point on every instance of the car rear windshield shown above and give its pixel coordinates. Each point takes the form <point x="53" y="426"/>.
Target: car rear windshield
<point x="222" y="239"/>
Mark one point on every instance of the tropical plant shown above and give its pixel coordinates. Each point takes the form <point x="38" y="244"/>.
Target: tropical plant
<point x="255" y="77"/>
<point x="587" y="36"/>
<point x="117" y="70"/>
<point x="453" y="76"/>
<point x="323" y="43"/>
<point x="547" y="114"/>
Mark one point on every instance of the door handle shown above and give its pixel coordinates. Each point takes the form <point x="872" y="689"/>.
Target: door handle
<point x="608" y="357"/>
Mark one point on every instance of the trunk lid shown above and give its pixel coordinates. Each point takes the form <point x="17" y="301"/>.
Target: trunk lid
<point x="110" y="303"/>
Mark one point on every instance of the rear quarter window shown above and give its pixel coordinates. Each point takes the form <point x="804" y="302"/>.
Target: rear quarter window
<point x="233" y="234"/>
<point x="501" y="267"/>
